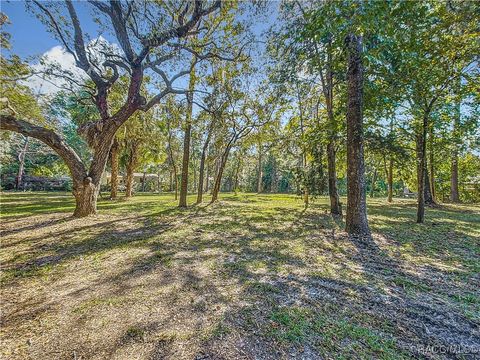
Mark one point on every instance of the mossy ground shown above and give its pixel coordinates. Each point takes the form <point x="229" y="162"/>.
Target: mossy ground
<point x="253" y="277"/>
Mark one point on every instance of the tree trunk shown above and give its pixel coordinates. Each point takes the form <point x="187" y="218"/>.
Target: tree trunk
<point x="390" y="181"/>
<point x="421" y="166"/>
<point x="335" y="206"/>
<point x="202" y="163"/>
<point x="131" y="165"/>
<point x="454" y="192"/>
<point x="185" y="162"/>
<point x="356" y="220"/>
<point x="218" y="179"/>
<point x="21" y="164"/>
<point x="86" y="194"/>
<point x="260" y="169"/>
<point x="200" y="174"/>
<point x="114" y="163"/>
<point x="172" y="162"/>
<point x="428" y="195"/>
<point x="431" y="163"/>
<point x="85" y="186"/>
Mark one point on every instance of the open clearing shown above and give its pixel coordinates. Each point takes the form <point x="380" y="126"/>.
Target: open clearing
<point x="251" y="277"/>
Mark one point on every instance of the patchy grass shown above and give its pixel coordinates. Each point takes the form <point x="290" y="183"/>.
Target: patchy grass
<point x="253" y="276"/>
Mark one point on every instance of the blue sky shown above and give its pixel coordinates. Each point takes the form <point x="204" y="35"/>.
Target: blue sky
<point x="29" y="35"/>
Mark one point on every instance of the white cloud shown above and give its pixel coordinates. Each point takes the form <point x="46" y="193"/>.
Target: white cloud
<point x="58" y="61"/>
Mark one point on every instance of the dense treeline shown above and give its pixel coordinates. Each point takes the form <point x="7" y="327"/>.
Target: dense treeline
<point x="351" y="99"/>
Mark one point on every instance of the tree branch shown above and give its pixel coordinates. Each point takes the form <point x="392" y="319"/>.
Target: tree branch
<point x="49" y="137"/>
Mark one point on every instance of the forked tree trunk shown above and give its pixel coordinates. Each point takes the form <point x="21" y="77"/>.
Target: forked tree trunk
<point x="390" y="181"/>
<point x="356" y="220"/>
<point x="335" y="206"/>
<point x="21" y="164"/>
<point x="114" y="163"/>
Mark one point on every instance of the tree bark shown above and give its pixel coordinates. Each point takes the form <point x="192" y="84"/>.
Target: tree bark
<point x="356" y="220"/>
<point x="21" y="164"/>
<point x="114" y="163"/>
<point x="86" y="194"/>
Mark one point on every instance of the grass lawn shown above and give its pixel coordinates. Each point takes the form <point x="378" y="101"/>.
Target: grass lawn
<point x="251" y="277"/>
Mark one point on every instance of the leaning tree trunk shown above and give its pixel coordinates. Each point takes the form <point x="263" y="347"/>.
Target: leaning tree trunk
<point x="218" y="179"/>
<point x="356" y="220"/>
<point x="114" y="163"/>
<point x="21" y="164"/>
<point x="85" y="185"/>
<point x="335" y="206"/>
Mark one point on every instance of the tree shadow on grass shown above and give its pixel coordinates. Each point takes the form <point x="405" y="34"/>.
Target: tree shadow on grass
<point x="278" y="307"/>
